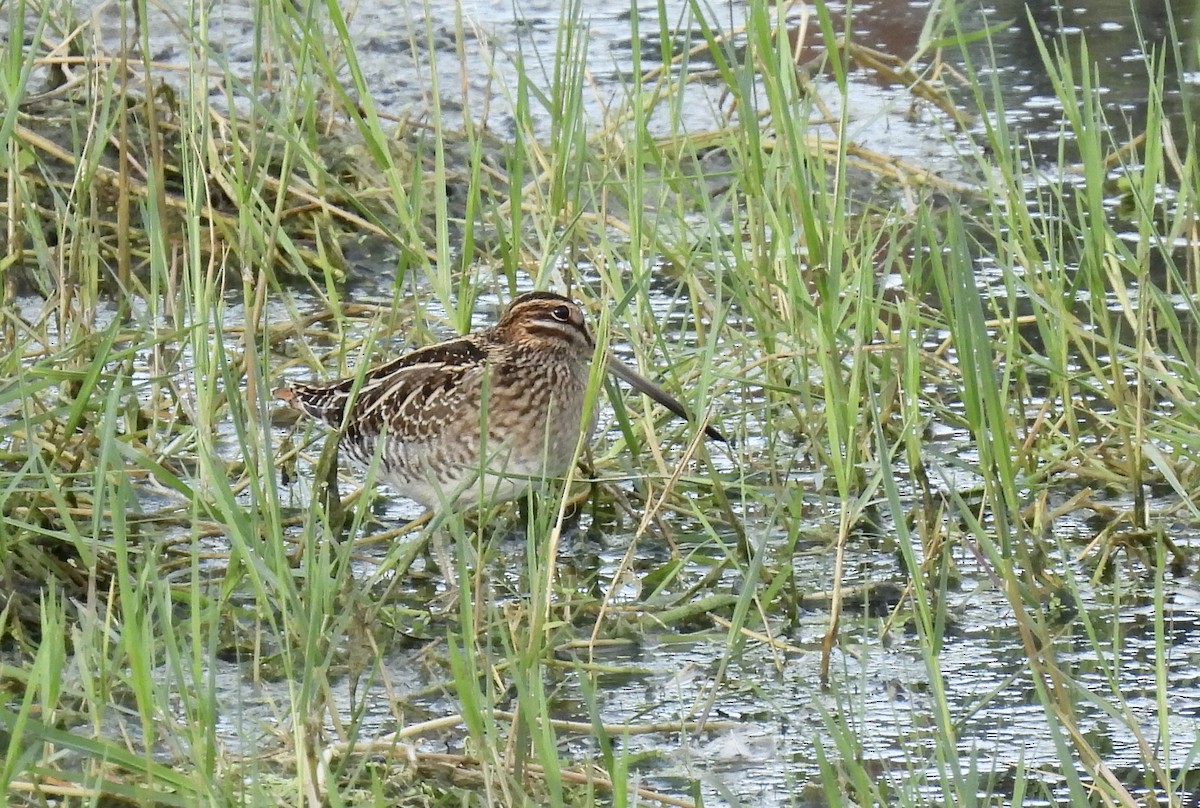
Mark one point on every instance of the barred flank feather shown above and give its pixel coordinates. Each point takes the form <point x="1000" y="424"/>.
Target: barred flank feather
<point x="324" y="402"/>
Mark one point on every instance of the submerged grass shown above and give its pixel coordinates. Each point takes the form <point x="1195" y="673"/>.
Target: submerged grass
<point x="180" y="628"/>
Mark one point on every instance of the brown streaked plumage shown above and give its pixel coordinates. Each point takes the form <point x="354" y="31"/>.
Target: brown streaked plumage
<point x="440" y="430"/>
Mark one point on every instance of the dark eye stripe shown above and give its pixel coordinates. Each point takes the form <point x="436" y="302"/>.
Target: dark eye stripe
<point x="562" y="330"/>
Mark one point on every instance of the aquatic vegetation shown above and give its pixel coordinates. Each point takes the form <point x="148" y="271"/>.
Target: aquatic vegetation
<point x="945" y="557"/>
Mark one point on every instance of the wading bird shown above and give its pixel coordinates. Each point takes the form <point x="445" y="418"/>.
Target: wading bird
<point x="482" y="415"/>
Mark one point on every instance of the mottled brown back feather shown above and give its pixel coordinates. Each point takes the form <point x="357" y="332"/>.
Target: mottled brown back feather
<point x="327" y="401"/>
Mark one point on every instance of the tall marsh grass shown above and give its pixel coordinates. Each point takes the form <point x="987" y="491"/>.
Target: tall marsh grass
<point x="181" y="628"/>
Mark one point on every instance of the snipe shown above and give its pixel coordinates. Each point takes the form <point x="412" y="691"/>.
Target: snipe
<point x="489" y="413"/>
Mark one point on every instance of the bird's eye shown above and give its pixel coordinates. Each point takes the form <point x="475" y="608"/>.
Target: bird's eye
<point x="561" y="313"/>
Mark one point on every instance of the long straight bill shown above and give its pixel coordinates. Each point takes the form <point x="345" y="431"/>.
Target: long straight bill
<point x="643" y="385"/>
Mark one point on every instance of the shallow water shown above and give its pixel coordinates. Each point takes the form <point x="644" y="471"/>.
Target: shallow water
<point x="880" y="683"/>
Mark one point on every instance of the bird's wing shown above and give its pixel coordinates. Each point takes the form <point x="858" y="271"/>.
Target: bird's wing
<point x="413" y="397"/>
<point x="410" y="397"/>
